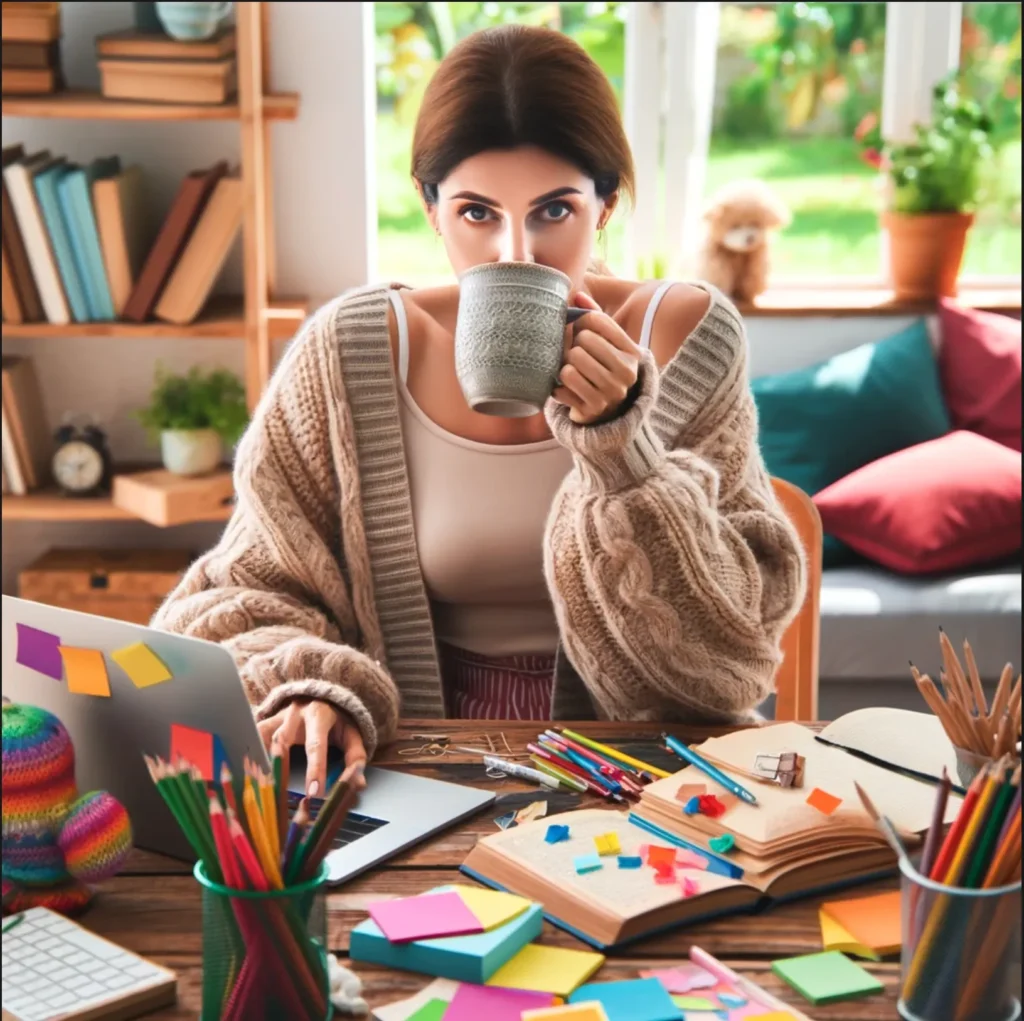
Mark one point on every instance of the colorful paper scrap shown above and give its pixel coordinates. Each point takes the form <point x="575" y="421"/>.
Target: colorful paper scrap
<point x="723" y="844"/>
<point x="587" y="863"/>
<point x="630" y="861"/>
<point x="556" y="834"/>
<point x="86" y="671"/>
<point x="823" y="801"/>
<point x="39" y="651"/>
<point x="607" y="843"/>
<point x="142" y="665"/>
<point x="684" y="978"/>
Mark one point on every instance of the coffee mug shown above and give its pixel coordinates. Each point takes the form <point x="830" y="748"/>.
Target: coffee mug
<point x="510" y="336"/>
<point x="191" y="21"/>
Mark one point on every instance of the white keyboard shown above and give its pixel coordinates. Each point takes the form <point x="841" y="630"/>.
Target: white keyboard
<point x="53" y="968"/>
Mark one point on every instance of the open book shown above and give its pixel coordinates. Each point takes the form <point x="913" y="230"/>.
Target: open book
<point x="784" y="847"/>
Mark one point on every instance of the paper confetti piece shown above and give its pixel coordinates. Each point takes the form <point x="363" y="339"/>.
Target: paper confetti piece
<point x="556" y="834"/>
<point x="693" y="1003"/>
<point x="690" y="887"/>
<point x="664" y="878"/>
<point x="662" y="858"/>
<point x="506" y="821"/>
<point x="142" y="665"/>
<point x="39" y="651"/>
<point x="607" y="843"/>
<point x="201" y="749"/>
<point x="643" y="850"/>
<point x="684" y="978"/>
<point x="630" y="861"/>
<point x="534" y="810"/>
<point x="732" y="999"/>
<point x="692" y="807"/>
<point x="710" y="806"/>
<point x="587" y="863"/>
<point x="728" y="800"/>
<point x="688" y="859"/>
<point x="723" y="844"/>
<point x="86" y="671"/>
<point x="823" y="801"/>
<point x="690" y="790"/>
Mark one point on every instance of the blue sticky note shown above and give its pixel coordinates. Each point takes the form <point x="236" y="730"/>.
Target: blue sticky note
<point x="556" y="834"/>
<point x="587" y="863"/>
<point x="692" y="807"/>
<point x="642" y="999"/>
<point x="40" y="651"/>
<point x="630" y="861"/>
<point x="732" y="999"/>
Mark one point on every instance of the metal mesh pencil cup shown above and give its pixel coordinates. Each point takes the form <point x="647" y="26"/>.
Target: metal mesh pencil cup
<point x="961" y="951"/>
<point x="264" y="954"/>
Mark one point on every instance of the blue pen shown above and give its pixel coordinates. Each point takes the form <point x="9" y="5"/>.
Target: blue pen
<point x="705" y="767"/>
<point x="593" y="770"/>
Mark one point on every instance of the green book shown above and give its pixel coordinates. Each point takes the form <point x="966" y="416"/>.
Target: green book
<point x="830" y="977"/>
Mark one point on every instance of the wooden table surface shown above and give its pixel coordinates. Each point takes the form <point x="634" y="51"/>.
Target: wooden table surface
<point x="153" y="906"/>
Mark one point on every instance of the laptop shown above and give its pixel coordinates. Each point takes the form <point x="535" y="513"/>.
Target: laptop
<point x="111" y="734"/>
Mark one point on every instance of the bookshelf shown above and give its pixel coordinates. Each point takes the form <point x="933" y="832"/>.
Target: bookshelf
<point x="253" y="317"/>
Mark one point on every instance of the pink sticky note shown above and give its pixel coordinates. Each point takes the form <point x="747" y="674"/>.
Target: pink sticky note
<point x="690" y="887"/>
<point x="682" y="979"/>
<point x="688" y="859"/>
<point x="471" y="1003"/>
<point x="424" y="917"/>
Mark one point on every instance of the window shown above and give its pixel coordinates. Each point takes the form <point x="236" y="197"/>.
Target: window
<point x="411" y="39"/>
<point x="793" y="80"/>
<point x="990" y="68"/>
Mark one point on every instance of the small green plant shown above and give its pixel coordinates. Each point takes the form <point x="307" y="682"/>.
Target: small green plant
<point x="198" y="400"/>
<point x="942" y="169"/>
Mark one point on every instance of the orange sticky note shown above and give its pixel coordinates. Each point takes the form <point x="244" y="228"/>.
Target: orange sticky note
<point x="194" y="746"/>
<point x="661" y="858"/>
<point x="873" y="921"/>
<point x="141" y="664"/>
<point x="86" y="672"/>
<point x="823" y="801"/>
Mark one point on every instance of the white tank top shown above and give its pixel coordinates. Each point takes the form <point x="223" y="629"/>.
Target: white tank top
<point x="479" y="511"/>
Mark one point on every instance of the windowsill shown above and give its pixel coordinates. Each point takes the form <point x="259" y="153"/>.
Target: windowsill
<point x="791" y="301"/>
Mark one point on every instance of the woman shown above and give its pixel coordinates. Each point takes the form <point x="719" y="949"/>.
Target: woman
<point x="620" y="555"/>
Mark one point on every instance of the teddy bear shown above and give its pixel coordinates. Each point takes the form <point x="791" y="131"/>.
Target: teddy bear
<point x="55" y="841"/>
<point x="739" y="221"/>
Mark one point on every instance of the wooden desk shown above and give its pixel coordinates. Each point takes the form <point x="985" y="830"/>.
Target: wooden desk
<point x="153" y="907"/>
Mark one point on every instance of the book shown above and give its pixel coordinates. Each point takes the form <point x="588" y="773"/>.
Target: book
<point x="12" y="467"/>
<point x="11" y="306"/>
<point x="46" y="183"/>
<point x="30" y="55"/>
<point x="204" y="255"/>
<point x="21" y="271"/>
<point x="74" y="190"/>
<point x="783" y="847"/>
<point x="154" y="46"/>
<point x="29" y="81"/>
<point x="19" y="176"/>
<point x="25" y="421"/>
<point x="122" y="221"/>
<point x="185" y="211"/>
<point x="27" y="22"/>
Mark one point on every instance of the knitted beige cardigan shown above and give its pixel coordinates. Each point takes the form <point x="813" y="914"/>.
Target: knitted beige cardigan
<point x="672" y="569"/>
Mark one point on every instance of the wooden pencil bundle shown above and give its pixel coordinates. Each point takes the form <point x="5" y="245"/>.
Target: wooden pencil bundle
<point x="961" y="706"/>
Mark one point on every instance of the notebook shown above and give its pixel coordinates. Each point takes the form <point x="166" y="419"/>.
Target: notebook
<point x="47" y="195"/>
<point x="783" y="847"/>
<point x="14" y="247"/>
<point x="122" y="222"/>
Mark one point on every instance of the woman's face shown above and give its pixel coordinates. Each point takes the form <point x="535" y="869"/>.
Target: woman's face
<point x="519" y="205"/>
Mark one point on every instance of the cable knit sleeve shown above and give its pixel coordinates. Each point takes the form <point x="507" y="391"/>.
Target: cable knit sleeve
<point x="673" y="569"/>
<point x="274" y="591"/>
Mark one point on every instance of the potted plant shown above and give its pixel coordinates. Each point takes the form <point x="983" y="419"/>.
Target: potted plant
<point x="935" y="182"/>
<point x="194" y="416"/>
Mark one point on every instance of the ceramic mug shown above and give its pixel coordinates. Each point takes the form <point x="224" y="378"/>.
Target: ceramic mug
<point x="510" y="336"/>
<point x="191" y="21"/>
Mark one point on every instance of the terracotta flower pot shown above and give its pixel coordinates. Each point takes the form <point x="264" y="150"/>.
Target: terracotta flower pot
<point x="925" y="252"/>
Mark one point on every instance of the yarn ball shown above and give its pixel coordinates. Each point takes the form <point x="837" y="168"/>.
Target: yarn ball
<point x="38" y="768"/>
<point x="97" y="837"/>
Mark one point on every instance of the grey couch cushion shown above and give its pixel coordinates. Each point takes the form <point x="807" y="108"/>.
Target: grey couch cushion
<point x="873" y="621"/>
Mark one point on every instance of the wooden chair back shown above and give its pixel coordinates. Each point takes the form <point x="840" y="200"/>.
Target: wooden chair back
<point x="796" y="680"/>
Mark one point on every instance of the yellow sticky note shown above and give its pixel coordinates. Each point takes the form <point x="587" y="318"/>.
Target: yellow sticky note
<point x="492" y="907"/>
<point x="141" y="664"/>
<point x="543" y="969"/>
<point x="608" y="843"/>
<point x="835" y="937"/>
<point x="86" y="672"/>
<point x="593" y="1011"/>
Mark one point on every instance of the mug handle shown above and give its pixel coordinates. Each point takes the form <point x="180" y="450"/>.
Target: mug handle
<point x="222" y="9"/>
<point x="574" y="312"/>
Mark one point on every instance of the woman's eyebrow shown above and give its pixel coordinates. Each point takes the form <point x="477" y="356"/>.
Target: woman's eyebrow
<point x="474" y="197"/>
<point x="556" y="194"/>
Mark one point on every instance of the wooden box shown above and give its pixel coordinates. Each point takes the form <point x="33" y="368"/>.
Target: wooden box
<point x="165" y="499"/>
<point x="169" y="81"/>
<point x="126" y="585"/>
<point x="30" y="22"/>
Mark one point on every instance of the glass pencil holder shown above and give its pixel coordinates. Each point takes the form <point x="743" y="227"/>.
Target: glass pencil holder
<point x="961" y="957"/>
<point x="264" y="954"/>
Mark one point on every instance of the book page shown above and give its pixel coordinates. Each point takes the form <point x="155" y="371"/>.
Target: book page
<point x="784" y="812"/>
<point x="622" y="893"/>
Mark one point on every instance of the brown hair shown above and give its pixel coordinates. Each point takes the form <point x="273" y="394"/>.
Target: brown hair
<point x="515" y="85"/>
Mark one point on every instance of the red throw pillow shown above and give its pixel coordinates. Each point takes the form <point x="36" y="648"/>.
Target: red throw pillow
<point x="938" y="506"/>
<point x="979" y="362"/>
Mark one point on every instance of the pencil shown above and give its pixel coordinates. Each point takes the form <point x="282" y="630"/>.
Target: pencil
<point x="268" y="807"/>
<point x="296" y="831"/>
<point x="260" y="840"/>
<point x="280" y="790"/>
<point x="953" y="836"/>
<point x="624" y="775"/>
<point x="333" y="817"/>
<point x="227" y="786"/>
<point x="982" y="854"/>
<point x="615" y="754"/>
<point x="570" y="781"/>
<point x="972" y="671"/>
<point x="932" y="841"/>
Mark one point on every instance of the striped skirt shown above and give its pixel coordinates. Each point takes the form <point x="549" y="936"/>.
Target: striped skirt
<point x="496" y="688"/>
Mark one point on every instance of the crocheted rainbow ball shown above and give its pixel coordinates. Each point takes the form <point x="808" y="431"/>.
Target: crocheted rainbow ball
<point x="38" y="768"/>
<point x="97" y="838"/>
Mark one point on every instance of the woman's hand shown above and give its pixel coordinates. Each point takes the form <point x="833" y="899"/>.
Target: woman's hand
<point x="600" y="368"/>
<point x="315" y="725"/>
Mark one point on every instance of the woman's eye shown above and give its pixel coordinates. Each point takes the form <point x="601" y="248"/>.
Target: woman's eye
<point x="554" y="212"/>
<point x="476" y="214"/>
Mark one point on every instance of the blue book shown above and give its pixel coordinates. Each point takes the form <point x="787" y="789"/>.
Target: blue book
<point x="462" y="958"/>
<point x="74" y="191"/>
<point x="49" y="205"/>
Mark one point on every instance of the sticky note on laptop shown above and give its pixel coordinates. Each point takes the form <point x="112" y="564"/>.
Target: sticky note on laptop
<point x="86" y="671"/>
<point x="39" y="651"/>
<point x="142" y="665"/>
<point x="202" y="749"/>
<point x="557" y="970"/>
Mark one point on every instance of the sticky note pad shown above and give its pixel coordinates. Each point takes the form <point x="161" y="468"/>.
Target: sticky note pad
<point x="874" y="922"/>
<point x="429" y="915"/>
<point x="142" y="665"/>
<point x="694" y="1003"/>
<point x="642" y="999"/>
<point x="775" y="1015"/>
<point x="86" y="671"/>
<point x="823" y="801"/>
<point x="587" y="863"/>
<point x="835" y="937"/>
<point x="567" y="1012"/>
<point x="491" y="907"/>
<point x="194" y="746"/>
<point x="432" y="1011"/>
<point x="474" y="1003"/>
<point x="39" y="651"/>
<point x="684" y="978"/>
<point x="829" y="977"/>
<point x="607" y="843"/>
<point x="544" y="969"/>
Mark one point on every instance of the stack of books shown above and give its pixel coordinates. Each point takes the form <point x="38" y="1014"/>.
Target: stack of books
<point x="76" y="244"/>
<point x="31" y="49"/>
<point x="27" y="444"/>
<point x="155" y="68"/>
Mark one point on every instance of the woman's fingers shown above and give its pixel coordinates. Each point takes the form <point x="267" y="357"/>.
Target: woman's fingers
<point x="288" y="732"/>
<point x="267" y="729"/>
<point x="319" y="719"/>
<point x="354" y="749"/>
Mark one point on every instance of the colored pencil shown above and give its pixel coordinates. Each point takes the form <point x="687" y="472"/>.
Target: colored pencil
<point x="268" y="807"/>
<point x="259" y="839"/>
<point x="606" y="766"/>
<point x="570" y="767"/>
<point x="934" y="838"/>
<point x="227" y="787"/>
<point x="981" y="857"/>
<point x="280" y="790"/>
<point x="334" y="816"/>
<point x="296" y="831"/>
<point x="570" y="781"/>
<point x="955" y="833"/>
<point x="615" y="754"/>
<point x="324" y="818"/>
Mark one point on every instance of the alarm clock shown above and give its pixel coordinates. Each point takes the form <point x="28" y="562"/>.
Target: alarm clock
<point x="82" y="465"/>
